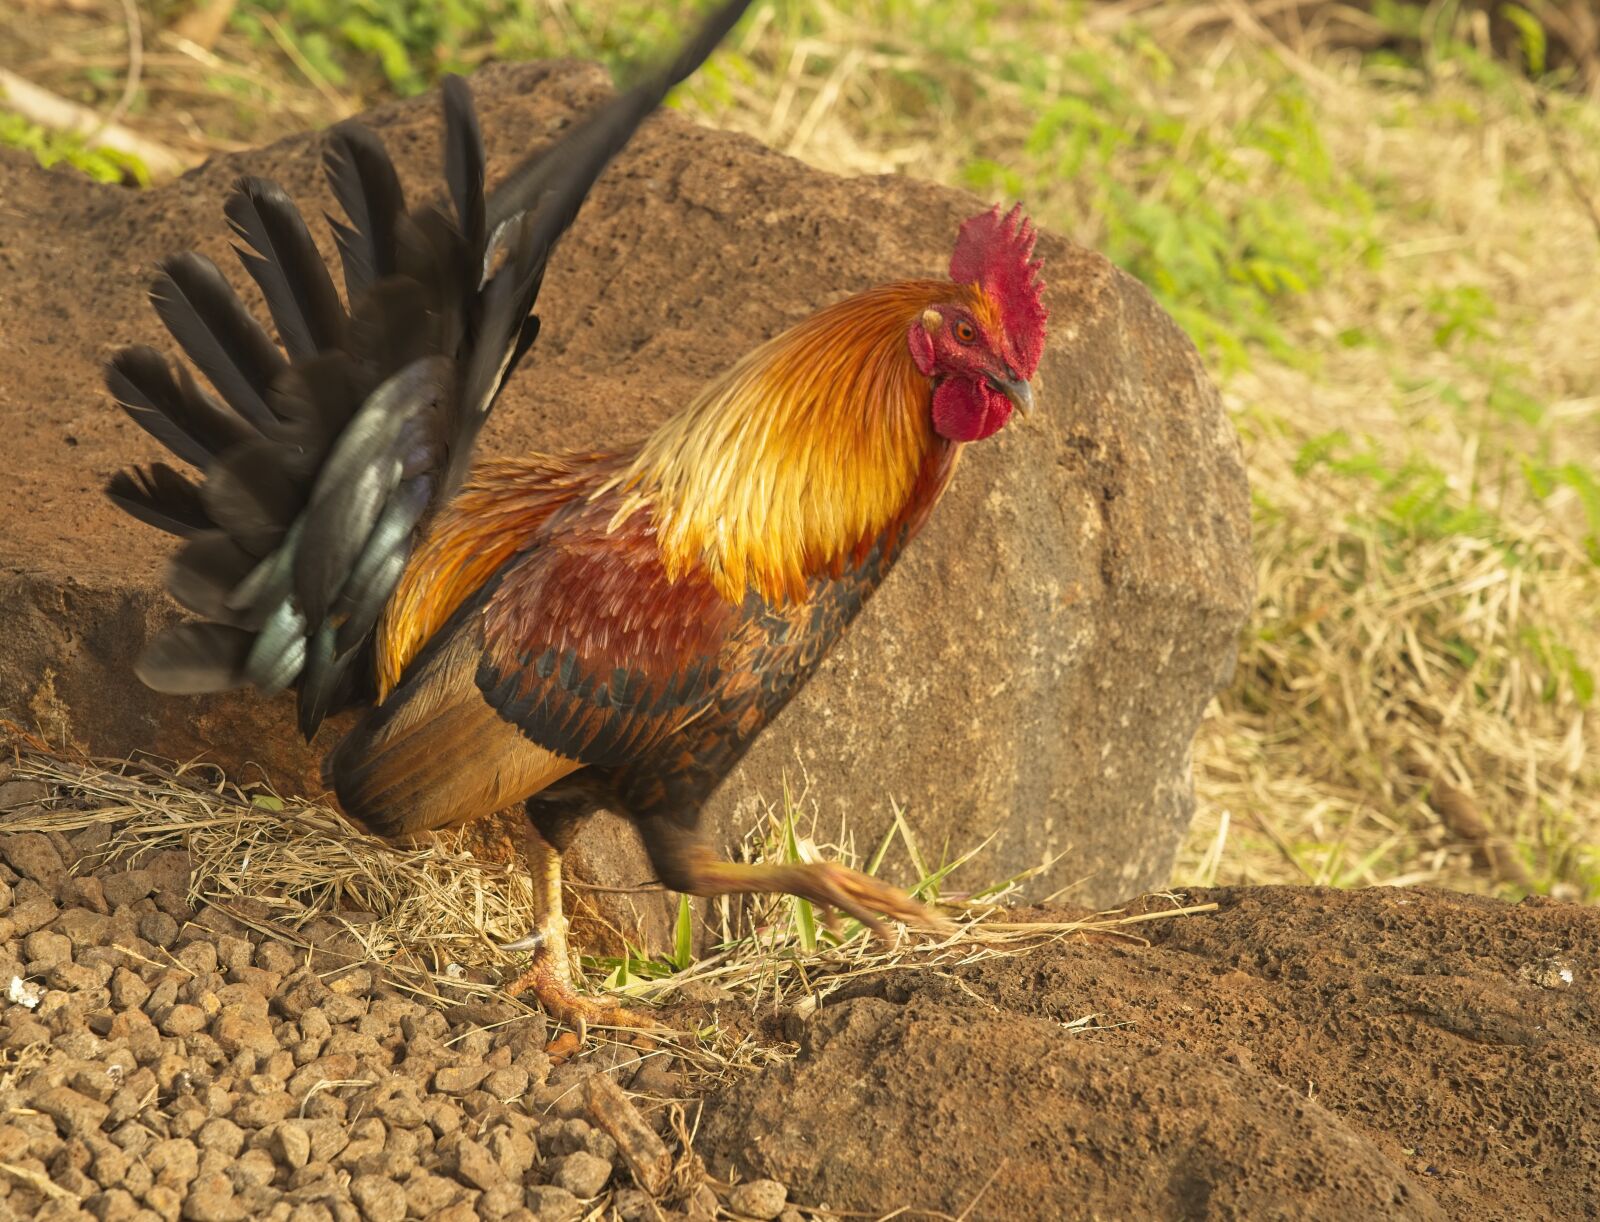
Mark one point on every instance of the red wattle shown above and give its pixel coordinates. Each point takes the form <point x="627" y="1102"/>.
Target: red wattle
<point x="964" y="410"/>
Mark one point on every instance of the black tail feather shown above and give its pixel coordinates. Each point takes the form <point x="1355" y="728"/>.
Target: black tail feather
<point x="507" y="303"/>
<point x="554" y="182"/>
<point x="205" y="572"/>
<point x="431" y="251"/>
<point x="284" y="262"/>
<point x="189" y="659"/>
<point x="212" y="326"/>
<point x="525" y="340"/>
<point x="314" y="401"/>
<point x="161" y="497"/>
<point x="175" y="411"/>
<point x="368" y="189"/>
<point x="463" y="160"/>
<point x="330" y="460"/>
<point x="397" y="319"/>
<point x="252" y="495"/>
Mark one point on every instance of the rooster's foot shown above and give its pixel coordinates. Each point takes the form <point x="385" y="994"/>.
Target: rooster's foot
<point x="688" y="864"/>
<point x="549" y="980"/>
<point x="832" y="886"/>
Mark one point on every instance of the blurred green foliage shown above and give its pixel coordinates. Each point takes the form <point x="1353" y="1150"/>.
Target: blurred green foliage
<point x="55" y="148"/>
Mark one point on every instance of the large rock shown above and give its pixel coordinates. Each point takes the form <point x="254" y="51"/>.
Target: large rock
<point x="1035" y="669"/>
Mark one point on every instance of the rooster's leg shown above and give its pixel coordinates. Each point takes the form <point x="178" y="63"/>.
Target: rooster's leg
<point x="549" y="976"/>
<point x="686" y="863"/>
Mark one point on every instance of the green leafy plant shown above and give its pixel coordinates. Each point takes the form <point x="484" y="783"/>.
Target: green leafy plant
<point x="53" y="148"/>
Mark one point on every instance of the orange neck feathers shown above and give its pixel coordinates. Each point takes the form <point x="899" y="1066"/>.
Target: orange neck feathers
<point x="801" y="454"/>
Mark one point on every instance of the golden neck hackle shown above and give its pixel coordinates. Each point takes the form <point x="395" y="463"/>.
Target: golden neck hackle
<point x="810" y="445"/>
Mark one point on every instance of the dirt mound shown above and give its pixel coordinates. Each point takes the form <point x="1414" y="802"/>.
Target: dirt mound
<point x="1048" y="645"/>
<point x="1300" y="1053"/>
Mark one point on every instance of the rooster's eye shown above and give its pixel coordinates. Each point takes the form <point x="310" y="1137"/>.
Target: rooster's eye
<point x="964" y="331"/>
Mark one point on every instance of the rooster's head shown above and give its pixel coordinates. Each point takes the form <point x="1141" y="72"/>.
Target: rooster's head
<point x="982" y="345"/>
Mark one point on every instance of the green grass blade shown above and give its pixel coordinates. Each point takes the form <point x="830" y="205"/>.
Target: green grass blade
<point x="683" y="937"/>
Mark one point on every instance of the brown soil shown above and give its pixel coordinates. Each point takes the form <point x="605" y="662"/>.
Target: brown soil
<point x="1297" y="1053"/>
<point x="1301" y="1053"/>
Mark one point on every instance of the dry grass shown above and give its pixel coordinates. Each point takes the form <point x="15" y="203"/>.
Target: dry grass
<point x="432" y="918"/>
<point x="1422" y="612"/>
<point x="1389" y="264"/>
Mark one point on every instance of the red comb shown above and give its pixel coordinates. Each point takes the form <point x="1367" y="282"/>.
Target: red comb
<point x="994" y="252"/>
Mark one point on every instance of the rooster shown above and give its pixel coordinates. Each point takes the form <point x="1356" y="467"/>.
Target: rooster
<point x="555" y="632"/>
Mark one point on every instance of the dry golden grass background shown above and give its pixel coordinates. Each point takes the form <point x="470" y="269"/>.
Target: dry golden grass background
<point x="1383" y="231"/>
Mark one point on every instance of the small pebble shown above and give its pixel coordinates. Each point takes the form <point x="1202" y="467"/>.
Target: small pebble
<point x="460" y="1079"/>
<point x="500" y="1201"/>
<point x="32" y="855"/>
<point x="379" y="1199"/>
<point x="252" y="1169"/>
<point x="291" y="1144"/>
<point x="427" y="1193"/>
<point x="702" y="1205"/>
<point x="44" y="949"/>
<point x="199" y="957"/>
<point x="128" y="887"/>
<point x="112" y="1205"/>
<point x="87" y="892"/>
<point x="761" y="1199"/>
<point x="515" y="1152"/>
<point x="94" y="1081"/>
<point x="174" y="1161"/>
<point x="221" y="1134"/>
<point x="181" y="1020"/>
<point x="75" y="1114"/>
<point x="634" y="1205"/>
<point x="28" y="915"/>
<point x="128" y="992"/>
<point x="552" y="1204"/>
<point x="165" y="1200"/>
<point x="476" y="1167"/>
<point x="400" y="1110"/>
<point x="236" y="1031"/>
<point x="210" y="1199"/>
<point x="581" y="1174"/>
<point x="508" y="1083"/>
<point x="158" y="929"/>
<point x="259" y="1111"/>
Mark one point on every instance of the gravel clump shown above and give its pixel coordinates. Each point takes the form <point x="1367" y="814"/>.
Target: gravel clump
<point x="181" y="1067"/>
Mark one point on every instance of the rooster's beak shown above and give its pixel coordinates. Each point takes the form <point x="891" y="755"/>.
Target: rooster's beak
<point x="1015" y="389"/>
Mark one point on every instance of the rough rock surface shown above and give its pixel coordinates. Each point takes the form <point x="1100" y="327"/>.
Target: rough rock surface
<point x="1300" y="1054"/>
<point x="1035" y="668"/>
